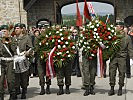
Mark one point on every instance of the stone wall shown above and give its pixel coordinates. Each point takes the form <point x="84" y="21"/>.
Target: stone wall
<point x="10" y="12"/>
<point x="41" y="9"/>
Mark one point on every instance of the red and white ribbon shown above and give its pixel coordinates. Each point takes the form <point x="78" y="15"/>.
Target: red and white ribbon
<point x="49" y="65"/>
<point x="100" y="68"/>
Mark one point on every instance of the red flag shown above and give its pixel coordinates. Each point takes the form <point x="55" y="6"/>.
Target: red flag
<point x="86" y="11"/>
<point x="50" y="72"/>
<point x="79" y="18"/>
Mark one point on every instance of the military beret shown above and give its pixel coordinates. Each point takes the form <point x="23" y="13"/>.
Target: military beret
<point x="120" y="23"/>
<point x="23" y="25"/>
<point x="4" y="27"/>
<point x="18" y="25"/>
<point x="41" y="26"/>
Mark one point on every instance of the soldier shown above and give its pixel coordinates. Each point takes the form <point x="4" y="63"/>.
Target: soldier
<point x="24" y="45"/>
<point x="119" y="60"/>
<point x="7" y="65"/>
<point x="41" y="67"/>
<point x="89" y="68"/>
<point x="64" y="72"/>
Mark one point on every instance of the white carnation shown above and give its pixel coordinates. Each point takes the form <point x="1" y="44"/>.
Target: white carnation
<point x="59" y="46"/>
<point x="79" y="44"/>
<point x="94" y="36"/>
<point x="46" y="35"/>
<point x="111" y="25"/>
<point x="61" y="34"/>
<point x="95" y="29"/>
<point x="50" y="33"/>
<point x="85" y="43"/>
<point x="59" y="40"/>
<point x="66" y="42"/>
<point x="81" y="35"/>
<point x="92" y="55"/>
<point x="64" y="46"/>
<point x="81" y="41"/>
<point x="62" y="38"/>
<point x="96" y="21"/>
<point x="73" y="47"/>
<point x="53" y="40"/>
<point x="88" y="47"/>
<point x="47" y="43"/>
<point x="40" y="43"/>
<point x="109" y="37"/>
<point x="98" y="37"/>
<point x="69" y="55"/>
<point x="97" y="25"/>
<point x="69" y="37"/>
<point x="96" y="33"/>
<point x="58" y="54"/>
<point x="112" y="31"/>
<point x="67" y="52"/>
<point x="109" y="28"/>
<point x="57" y="31"/>
<point x="61" y="29"/>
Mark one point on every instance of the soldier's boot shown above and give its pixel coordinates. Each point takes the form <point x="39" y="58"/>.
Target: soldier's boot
<point x="48" y="89"/>
<point x="92" y="90"/>
<point x="1" y="96"/>
<point x="42" y="90"/>
<point x="12" y="97"/>
<point x="18" y="91"/>
<point x="120" y="91"/>
<point x="67" y="89"/>
<point x="111" y="92"/>
<point x="87" y="91"/>
<point x="60" y="92"/>
<point x="23" y="96"/>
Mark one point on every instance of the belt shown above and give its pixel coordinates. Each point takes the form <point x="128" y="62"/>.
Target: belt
<point x="7" y="58"/>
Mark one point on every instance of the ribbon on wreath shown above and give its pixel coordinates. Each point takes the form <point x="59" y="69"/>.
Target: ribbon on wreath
<point x="50" y="72"/>
<point x="100" y="67"/>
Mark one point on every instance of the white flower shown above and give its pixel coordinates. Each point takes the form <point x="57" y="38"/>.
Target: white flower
<point x="59" y="46"/>
<point x="46" y="35"/>
<point x="79" y="44"/>
<point x="83" y="46"/>
<point x="98" y="37"/>
<point x="69" y="37"/>
<point x="62" y="38"/>
<point x="58" y="54"/>
<point x="92" y="26"/>
<point x="96" y="33"/>
<point x="47" y="43"/>
<point x="69" y="55"/>
<point x="115" y="33"/>
<point x="61" y="29"/>
<point x="66" y="42"/>
<point x="61" y="59"/>
<point x="94" y="36"/>
<point x="111" y="25"/>
<point x="73" y="47"/>
<point x="115" y="42"/>
<point x="81" y="35"/>
<point x="109" y="28"/>
<point x="67" y="52"/>
<point x="59" y="40"/>
<point x="88" y="25"/>
<point x="41" y="57"/>
<point x="85" y="49"/>
<point x="96" y="21"/>
<point x="85" y="43"/>
<point x="57" y="31"/>
<point x="92" y="54"/>
<point x="81" y="41"/>
<point x="40" y="43"/>
<point x="95" y="29"/>
<point x="83" y="38"/>
<point x="97" y="25"/>
<point x="71" y="30"/>
<point x="107" y="46"/>
<point x="83" y="29"/>
<point x="53" y="40"/>
<point x="50" y="33"/>
<point x="61" y="34"/>
<point x="64" y="46"/>
<point x="88" y="47"/>
<point x="112" y="31"/>
<point x="109" y="37"/>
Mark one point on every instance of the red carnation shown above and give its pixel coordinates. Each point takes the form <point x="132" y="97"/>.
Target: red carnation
<point x="55" y="36"/>
<point x="58" y="37"/>
<point x="71" y="44"/>
<point x="94" y="51"/>
<point x="50" y="38"/>
<point x="65" y="55"/>
<point x="61" y="43"/>
<point x="65" y="38"/>
<point x="66" y="33"/>
<point x="56" y="43"/>
<point x="90" y="58"/>
<point x="98" y="29"/>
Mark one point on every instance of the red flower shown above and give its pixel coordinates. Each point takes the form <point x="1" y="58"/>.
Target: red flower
<point x="65" y="38"/>
<point x="58" y="37"/>
<point x="56" y="43"/>
<point x="105" y="38"/>
<point x="71" y="44"/>
<point x="55" y="36"/>
<point x="94" y="51"/>
<point x="50" y="38"/>
<point x="66" y="33"/>
<point x="99" y="29"/>
<point x="61" y="43"/>
<point x="65" y="55"/>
